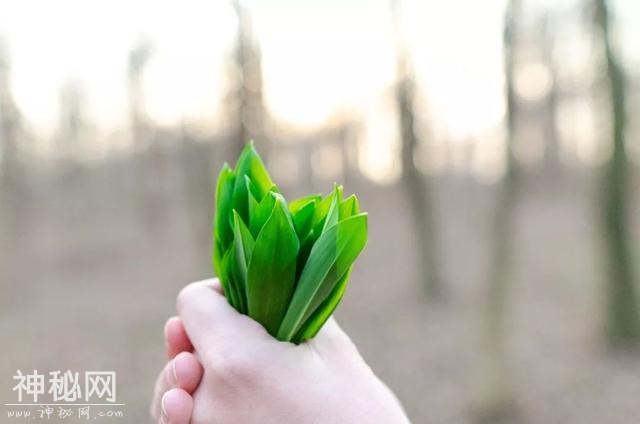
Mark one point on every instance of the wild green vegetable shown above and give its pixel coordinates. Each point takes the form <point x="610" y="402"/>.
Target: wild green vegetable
<point x="286" y="265"/>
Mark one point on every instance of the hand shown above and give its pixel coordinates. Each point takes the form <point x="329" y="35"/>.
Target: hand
<point x="249" y="377"/>
<point x="172" y="401"/>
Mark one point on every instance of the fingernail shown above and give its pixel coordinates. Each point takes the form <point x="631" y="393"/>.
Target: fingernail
<point x="163" y="417"/>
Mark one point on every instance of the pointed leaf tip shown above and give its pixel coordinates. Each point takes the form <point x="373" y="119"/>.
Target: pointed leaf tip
<point x="272" y="269"/>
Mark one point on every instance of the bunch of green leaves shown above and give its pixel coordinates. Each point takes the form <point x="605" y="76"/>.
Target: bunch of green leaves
<point x="285" y="264"/>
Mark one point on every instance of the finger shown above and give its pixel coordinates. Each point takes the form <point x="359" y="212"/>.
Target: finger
<point x="177" y="406"/>
<point x="187" y="372"/>
<point x="183" y="372"/>
<point x="162" y="385"/>
<point x="211" y="323"/>
<point x="176" y="337"/>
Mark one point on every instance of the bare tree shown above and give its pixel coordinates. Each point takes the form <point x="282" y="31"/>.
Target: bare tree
<point x="73" y="123"/>
<point x="245" y="98"/>
<point x="198" y="166"/>
<point x="417" y="188"/>
<point x="552" y="145"/>
<point x="10" y="120"/>
<point x="139" y="57"/>
<point x="623" y="325"/>
<point x="12" y="172"/>
<point x="497" y="403"/>
<point x="150" y="170"/>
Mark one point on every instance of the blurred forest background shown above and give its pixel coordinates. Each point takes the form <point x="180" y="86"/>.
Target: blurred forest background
<point x="495" y="145"/>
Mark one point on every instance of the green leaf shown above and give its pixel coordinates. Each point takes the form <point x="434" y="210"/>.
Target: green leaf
<point x="272" y="269"/>
<point x="286" y="266"/>
<point x="349" y="207"/>
<point x="330" y="259"/>
<point x="262" y="213"/>
<point x="236" y="282"/>
<point x="296" y="205"/>
<point x="222" y="230"/>
<point x="331" y="215"/>
<point x="334" y="209"/>
<point x="315" y="322"/>
<point x="227" y="278"/>
<point x="253" y="205"/>
<point x="302" y="219"/>
<point x="252" y="189"/>
<point x="322" y="209"/>
<point x="243" y="244"/>
<point x="305" y="250"/>
<point x="249" y="164"/>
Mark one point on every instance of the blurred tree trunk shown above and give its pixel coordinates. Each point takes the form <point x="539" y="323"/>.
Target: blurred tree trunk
<point x="150" y="166"/>
<point x="12" y="173"/>
<point x="417" y="188"/>
<point x="9" y="119"/>
<point x="198" y="166"/>
<point x="497" y="403"/>
<point x="139" y="57"/>
<point x="622" y="327"/>
<point x="246" y="98"/>
<point x="418" y="193"/>
<point x="552" y="144"/>
<point x="72" y="126"/>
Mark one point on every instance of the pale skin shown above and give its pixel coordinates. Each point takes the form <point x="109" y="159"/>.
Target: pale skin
<point x="225" y="368"/>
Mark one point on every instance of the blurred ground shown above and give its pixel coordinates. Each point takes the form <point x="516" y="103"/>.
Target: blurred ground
<point x="87" y="283"/>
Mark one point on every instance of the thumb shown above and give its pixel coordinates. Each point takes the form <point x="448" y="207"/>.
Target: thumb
<point x="212" y="324"/>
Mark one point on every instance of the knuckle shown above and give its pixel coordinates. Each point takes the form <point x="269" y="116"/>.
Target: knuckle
<point x="185" y="295"/>
<point x="237" y="369"/>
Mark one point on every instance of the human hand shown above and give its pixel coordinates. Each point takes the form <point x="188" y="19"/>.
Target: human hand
<point x="172" y="401"/>
<point x="249" y="377"/>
